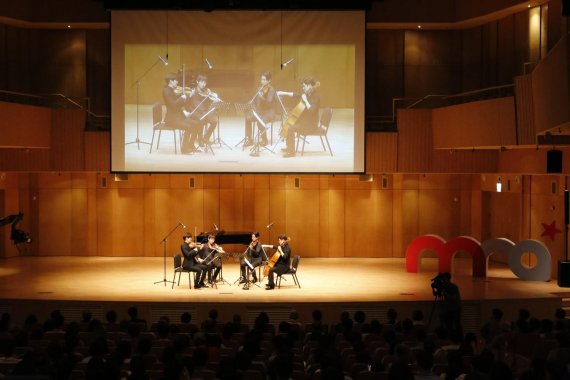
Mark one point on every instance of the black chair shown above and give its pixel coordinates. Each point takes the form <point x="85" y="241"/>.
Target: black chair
<point x="321" y="131"/>
<point x="159" y="125"/>
<point x="179" y="269"/>
<point x="291" y="272"/>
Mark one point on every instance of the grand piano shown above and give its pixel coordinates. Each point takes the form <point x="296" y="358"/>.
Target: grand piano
<point x="226" y="237"/>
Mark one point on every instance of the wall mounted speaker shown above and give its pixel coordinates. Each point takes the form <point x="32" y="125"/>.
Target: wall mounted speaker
<point x="554" y="161"/>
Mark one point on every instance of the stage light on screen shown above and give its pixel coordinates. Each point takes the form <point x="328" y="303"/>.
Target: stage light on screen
<point x="222" y="101"/>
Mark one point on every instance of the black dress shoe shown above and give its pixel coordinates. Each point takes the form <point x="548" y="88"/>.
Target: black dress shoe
<point x="269" y="287"/>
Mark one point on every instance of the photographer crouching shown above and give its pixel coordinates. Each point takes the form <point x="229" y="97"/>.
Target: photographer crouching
<point x="448" y="292"/>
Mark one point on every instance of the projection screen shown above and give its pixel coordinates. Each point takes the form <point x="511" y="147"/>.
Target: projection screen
<point x="237" y="91"/>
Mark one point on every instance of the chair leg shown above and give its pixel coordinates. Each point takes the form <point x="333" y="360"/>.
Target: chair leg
<point x="278" y="281"/>
<point x="150" y="150"/>
<point x="303" y="149"/>
<point x="296" y="280"/>
<point x="173" y="280"/>
<point x="329" y="145"/>
<point x="323" y="143"/>
<point x="174" y="134"/>
<point x="158" y="141"/>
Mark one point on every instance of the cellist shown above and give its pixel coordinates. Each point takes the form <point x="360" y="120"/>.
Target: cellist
<point x="281" y="260"/>
<point x="302" y="118"/>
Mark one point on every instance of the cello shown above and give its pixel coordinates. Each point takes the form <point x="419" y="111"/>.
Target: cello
<point x="272" y="261"/>
<point x="295" y="113"/>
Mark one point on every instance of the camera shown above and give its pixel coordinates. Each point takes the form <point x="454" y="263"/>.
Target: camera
<point x="438" y="285"/>
<point x="19" y="236"/>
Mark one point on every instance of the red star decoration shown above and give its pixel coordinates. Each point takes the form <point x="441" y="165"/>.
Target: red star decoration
<point x="550" y="230"/>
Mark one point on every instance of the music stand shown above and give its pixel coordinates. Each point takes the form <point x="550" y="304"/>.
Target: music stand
<point x="261" y="127"/>
<point x="163" y="241"/>
<point x="279" y="138"/>
<point x="138" y="84"/>
<point x="243" y="108"/>
<point x="248" y="269"/>
<point x="223" y="106"/>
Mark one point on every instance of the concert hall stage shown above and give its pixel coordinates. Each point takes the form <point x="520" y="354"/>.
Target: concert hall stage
<point x="74" y="284"/>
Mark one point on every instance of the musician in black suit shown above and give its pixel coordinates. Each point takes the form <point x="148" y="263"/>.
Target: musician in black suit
<point x="253" y="254"/>
<point x="306" y="113"/>
<point x="264" y="108"/>
<point x="202" y="109"/>
<point x="209" y="255"/>
<point x="176" y="103"/>
<point x="281" y="260"/>
<point x="190" y="252"/>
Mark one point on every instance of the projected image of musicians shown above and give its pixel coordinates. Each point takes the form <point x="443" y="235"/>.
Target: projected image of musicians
<point x="175" y="100"/>
<point x="202" y="109"/>
<point x="263" y="111"/>
<point x="304" y="117"/>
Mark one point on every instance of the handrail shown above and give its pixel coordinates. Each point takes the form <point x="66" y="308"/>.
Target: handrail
<point x="43" y="97"/>
<point x="443" y="98"/>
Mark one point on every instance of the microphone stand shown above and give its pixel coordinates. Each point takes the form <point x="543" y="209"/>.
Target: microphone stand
<point x="265" y="260"/>
<point x="138" y="83"/>
<point x="163" y="241"/>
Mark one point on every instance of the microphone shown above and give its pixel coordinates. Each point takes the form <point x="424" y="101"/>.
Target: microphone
<point x="164" y="61"/>
<point x="216" y="227"/>
<point x="270" y="225"/>
<point x="288" y="62"/>
<point x="209" y="64"/>
<point x="182" y="224"/>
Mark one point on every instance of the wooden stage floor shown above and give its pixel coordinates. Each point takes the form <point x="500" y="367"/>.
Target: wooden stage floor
<point x="73" y="284"/>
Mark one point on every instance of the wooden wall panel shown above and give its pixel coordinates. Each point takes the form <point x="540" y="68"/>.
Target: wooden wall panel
<point x="128" y="222"/>
<point x="337" y="223"/>
<point x="97" y="151"/>
<point x="550" y="89"/>
<point x="525" y="110"/>
<point x="79" y="228"/>
<point x="67" y="152"/>
<point x="76" y="215"/>
<point x="526" y="161"/>
<point x="323" y="222"/>
<point x="464" y="161"/>
<point x="302" y="221"/>
<point x="414" y="140"/>
<point x="486" y="123"/>
<point x="55" y="219"/>
<point x="381" y="152"/>
<point x="25" y="126"/>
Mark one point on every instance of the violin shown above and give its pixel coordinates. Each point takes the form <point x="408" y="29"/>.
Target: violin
<point x="207" y="93"/>
<point x="179" y="90"/>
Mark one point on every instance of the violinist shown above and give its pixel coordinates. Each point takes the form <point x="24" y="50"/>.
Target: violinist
<point x="208" y="256"/>
<point x="190" y="252"/>
<point x="305" y="114"/>
<point x="264" y="107"/>
<point x="175" y="116"/>
<point x="254" y="254"/>
<point x="200" y="109"/>
<point x="281" y="260"/>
